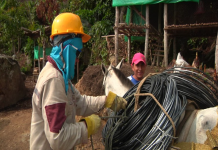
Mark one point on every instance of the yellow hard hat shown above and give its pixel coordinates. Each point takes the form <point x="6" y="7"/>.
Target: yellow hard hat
<point x="66" y="23"/>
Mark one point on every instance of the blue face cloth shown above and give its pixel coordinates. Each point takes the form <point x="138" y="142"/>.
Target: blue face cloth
<point x="69" y="55"/>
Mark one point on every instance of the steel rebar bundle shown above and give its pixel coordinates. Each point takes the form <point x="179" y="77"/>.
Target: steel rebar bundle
<point x="149" y="127"/>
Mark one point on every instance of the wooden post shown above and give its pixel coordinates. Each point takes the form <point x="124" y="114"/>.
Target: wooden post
<point x="159" y="18"/>
<point x="216" y="52"/>
<point x="160" y="30"/>
<point x="129" y="38"/>
<point x="174" y="39"/>
<point x="165" y="36"/>
<point x="147" y="33"/>
<point x="116" y="35"/>
<point x="39" y="58"/>
<point x="44" y="48"/>
<point x="128" y="48"/>
<point x="108" y="44"/>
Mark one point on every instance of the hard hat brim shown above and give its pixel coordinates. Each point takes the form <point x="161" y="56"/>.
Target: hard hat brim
<point x="85" y="38"/>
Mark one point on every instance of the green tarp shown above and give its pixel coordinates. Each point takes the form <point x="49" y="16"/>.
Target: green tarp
<point x="47" y="52"/>
<point x="136" y="19"/>
<point x="141" y="8"/>
<point x="143" y="2"/>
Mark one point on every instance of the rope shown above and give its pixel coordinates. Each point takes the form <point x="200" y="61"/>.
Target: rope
<point x="149" y="94"/>
<point x="138" y="89"/>
<point x="92" y="142"/>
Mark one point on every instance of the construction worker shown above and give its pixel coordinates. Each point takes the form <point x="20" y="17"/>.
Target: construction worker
<point x="56" y="102"/>
<point x="138" y="67"/>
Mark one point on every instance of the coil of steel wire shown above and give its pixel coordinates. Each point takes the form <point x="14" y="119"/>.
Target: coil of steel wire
<point x="149" y="127"/>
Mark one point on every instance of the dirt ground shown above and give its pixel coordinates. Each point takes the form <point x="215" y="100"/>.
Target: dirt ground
<point x="15" y="120"/>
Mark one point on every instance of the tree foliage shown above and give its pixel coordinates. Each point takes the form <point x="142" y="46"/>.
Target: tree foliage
<point x="100" y="15"/>
<point x="13" y="16"/>
<point x="46" y="10"/>
<point x="97" y="17"/>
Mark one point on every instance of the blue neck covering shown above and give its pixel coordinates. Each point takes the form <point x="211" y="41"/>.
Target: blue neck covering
<point x="69" y="55"/>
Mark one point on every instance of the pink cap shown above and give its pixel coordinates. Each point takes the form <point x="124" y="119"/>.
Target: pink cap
<point x="137" y="58"/>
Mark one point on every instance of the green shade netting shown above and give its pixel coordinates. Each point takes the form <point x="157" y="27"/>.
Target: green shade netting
<point x="136" y="19"/>
<point x="143" y="2"/>
<point x="139" y="5"/>
<point x="47" y="52"/>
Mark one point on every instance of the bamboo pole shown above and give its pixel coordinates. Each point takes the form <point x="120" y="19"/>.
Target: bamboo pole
<point x="165" y="36"/>
<point x="116" y="35"/>
<point x="147" y="33"/>
<point x="216" y="53"/>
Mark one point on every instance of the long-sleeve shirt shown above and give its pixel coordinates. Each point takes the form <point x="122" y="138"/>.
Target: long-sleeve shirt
<point x="53" y="124"/>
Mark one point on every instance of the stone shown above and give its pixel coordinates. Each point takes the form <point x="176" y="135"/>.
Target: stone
<point x="12" y="82"/>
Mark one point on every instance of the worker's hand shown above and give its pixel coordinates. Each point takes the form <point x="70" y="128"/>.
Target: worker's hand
<point x="93" y="123"/>
<point x="115" y="102"/>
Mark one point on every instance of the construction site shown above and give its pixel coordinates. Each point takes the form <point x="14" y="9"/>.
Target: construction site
<point x="173" y="107"/>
